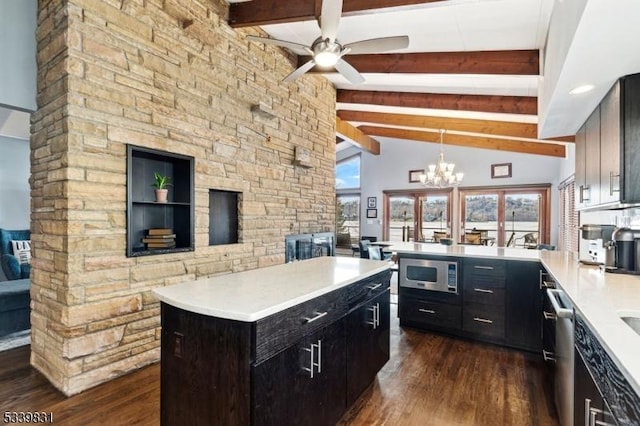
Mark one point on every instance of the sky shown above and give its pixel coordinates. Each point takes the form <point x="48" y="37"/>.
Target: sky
<point x="348" y="173"/>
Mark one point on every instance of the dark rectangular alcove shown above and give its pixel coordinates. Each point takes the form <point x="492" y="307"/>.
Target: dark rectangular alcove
<point x="223" y="217"/>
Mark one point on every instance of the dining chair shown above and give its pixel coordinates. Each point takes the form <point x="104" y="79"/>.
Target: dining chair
<point x="473" y="237"/>
<point x="439" y="234"/>
<point x="375" y="253"/>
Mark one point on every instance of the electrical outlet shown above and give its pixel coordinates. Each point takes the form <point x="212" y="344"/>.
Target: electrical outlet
<point x="178" y="344"/>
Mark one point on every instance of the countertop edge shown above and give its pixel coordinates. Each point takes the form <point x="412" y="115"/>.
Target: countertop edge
<point x="255" y="316"/>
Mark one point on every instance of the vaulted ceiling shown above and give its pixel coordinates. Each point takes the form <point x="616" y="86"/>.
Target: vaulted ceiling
<point x="472" y="68"/>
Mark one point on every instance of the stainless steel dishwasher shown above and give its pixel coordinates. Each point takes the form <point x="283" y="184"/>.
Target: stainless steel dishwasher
<point x="563" y="380"/>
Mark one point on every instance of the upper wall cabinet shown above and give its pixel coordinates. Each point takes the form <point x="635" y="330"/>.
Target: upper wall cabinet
<point x="608" y="150"/>
<point x="157" y="227"/>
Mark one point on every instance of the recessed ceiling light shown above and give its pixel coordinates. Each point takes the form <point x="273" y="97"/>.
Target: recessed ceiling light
<point x="582" y="89"/>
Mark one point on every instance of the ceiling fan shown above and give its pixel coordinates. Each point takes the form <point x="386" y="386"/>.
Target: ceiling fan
<point x="326" y="52"/>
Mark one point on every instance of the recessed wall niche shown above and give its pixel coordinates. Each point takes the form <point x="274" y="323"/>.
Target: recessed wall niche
<point x="159" y="227"/>
<point x="223" y="217"/>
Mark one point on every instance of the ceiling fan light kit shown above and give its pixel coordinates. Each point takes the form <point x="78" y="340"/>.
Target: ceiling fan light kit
<point x="441" y="175"/>
<point x="326" y="52"/>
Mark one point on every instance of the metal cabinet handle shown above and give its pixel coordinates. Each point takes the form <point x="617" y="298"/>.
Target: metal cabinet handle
<point x="317" y="317"/>
<point x="490" y="268"/>
<point x="611" y="176"/>
<point x="593" y="413"/>
<point x="312" y="363"/>
<point x="375" y="322"/>
<point x="310" y="369"/>
<point x="427" y="311"/>
<point x="484" y="320"/>
<point x="482" y="290"/>
<point x="580" y="196"/>
<point x="548" y="284"/>
<point x="548" y="356"/>
<point x="549" y="315"/>
<point x="560" y="312"/>
<point x="374" y="287"/>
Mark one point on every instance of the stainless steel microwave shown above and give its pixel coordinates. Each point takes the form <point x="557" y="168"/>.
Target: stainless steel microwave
<point x="434" y="275"/>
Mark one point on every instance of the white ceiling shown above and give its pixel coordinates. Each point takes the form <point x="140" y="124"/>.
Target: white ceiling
<point x="603" y="48"/>
<point x="14" y="124"/>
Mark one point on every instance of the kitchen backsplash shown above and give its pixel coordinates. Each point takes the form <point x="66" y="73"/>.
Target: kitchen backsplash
<point x="628" y="217"/>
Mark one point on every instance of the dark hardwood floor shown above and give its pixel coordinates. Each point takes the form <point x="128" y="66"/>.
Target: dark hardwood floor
<point x="429" y="380"/>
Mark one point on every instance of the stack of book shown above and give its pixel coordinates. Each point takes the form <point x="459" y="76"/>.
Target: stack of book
<point x="158" y="238"/>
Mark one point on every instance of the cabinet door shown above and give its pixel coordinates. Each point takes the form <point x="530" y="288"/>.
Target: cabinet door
<point x="367" y="344"/>
<point x="581" y="174"/>
<point x="610" y="146"/>
<point x="592" y="196"/>
<point x="284" y="391"/>
<point x="589" y="408"/>
<point x="524" y="306"/>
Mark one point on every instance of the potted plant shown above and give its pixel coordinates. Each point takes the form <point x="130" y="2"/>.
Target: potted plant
<point x="161" y="184"/>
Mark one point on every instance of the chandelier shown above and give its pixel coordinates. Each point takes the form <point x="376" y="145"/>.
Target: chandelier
<point x="440" y="175"/>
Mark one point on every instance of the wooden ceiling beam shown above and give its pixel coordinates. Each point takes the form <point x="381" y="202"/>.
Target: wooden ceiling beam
<point x="347" y="132"/>
<point x="506" y="62"/>
<point x="490" y="127"/>
<point x="539" y="148"/>
<point x="265" y="12"/>
<point x="483" y="103"/>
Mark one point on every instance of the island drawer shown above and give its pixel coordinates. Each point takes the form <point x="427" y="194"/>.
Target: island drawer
<point x="484" y="294"/>
<point x="279" y="331"/>
<point x="423" y="312"/>
<point x="486" y="269"/>
<point x="368" y="288"/>
<point x="486" y="320"/>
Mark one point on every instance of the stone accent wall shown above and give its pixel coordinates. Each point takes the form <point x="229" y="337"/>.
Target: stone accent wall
<point x="168" y="75"/>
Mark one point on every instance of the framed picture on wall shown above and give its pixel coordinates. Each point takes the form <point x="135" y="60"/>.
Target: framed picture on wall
<point x="414" y="175"/>
<point x="501" y="170"/>
<point x="372" y="202"/>
<point x="372" y="213"/>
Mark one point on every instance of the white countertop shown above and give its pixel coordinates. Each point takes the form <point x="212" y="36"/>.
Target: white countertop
<point x="258" y="293"/>
<point x="461" y="250"/>
<point x="600" y="297"/>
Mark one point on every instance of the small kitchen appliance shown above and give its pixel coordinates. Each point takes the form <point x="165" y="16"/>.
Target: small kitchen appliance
<point x="627" y="251"/>
<point x="599" y="247"/>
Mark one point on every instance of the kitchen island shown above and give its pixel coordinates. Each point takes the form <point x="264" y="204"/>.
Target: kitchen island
<point x="295" y="342"/>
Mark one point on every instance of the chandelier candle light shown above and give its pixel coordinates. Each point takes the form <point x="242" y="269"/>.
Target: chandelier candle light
<point x="440" y="175"/>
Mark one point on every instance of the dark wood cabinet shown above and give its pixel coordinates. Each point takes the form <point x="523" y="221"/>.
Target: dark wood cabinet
<point x="607" y="153"/>
<point x="499" y="301"/>
<point x="305" y="382"/>
<point x="367" y="344"/>
<point x="303" y="365"/>
<point x="143" y="212"/>
<point x="524" y="306"/>
<point x="590" y="408"/>
<point x="484" y="282"/>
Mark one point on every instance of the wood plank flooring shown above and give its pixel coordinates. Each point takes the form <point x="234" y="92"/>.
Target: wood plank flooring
<point x="430" y="380"/>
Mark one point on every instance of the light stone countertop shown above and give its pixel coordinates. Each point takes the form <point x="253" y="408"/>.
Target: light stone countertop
<point x="460" y="250"/>
<point x="601" y="297"/>
<point x="255" y="294"/>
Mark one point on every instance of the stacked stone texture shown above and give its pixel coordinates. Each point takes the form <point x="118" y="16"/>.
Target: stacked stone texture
<point x="169" y="75"/>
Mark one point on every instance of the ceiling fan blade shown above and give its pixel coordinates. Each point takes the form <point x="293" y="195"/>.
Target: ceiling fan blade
<point x="300" y="49"/>
<point x="378" y="45"/>
<point x="330" y="18"/>
<point x="301" y="70"/>
<point x="349" y="72"/>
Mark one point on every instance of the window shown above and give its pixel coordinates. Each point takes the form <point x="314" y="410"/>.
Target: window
<point x="348" y="173"/>
<point x="403" y="207"/>
<point x="347" y="219"/>
<point x="568" y="232"/>
<point x="506" y="216"/>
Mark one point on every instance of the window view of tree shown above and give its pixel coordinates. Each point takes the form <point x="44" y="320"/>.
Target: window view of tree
<point x="347" y="219"/>
<point x="434" y="216"/>
<point x="401" y="215"/>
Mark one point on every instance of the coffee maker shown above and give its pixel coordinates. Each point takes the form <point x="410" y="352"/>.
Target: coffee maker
<point x="626" y="242"/>
<point x="599" y="248"/>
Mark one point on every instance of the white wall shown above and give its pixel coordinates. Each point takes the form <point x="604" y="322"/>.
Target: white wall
<point x="15" y="195"/>
<point x="389" y="171"/>
<point x="18" y="67"/>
